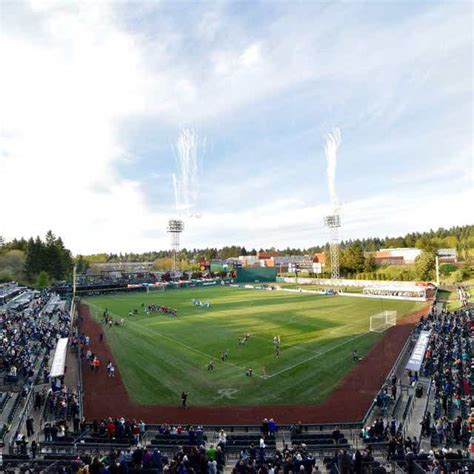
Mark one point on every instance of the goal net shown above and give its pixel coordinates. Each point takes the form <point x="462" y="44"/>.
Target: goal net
<point x="382" y="321"/>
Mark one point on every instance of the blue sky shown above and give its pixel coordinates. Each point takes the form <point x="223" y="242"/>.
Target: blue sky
<point x="95" y="94"/>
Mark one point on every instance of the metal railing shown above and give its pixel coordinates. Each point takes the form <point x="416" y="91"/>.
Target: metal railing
<point x="26" y="409"/>
<point x="76" y="320"/>
<point x="393" y="370"/>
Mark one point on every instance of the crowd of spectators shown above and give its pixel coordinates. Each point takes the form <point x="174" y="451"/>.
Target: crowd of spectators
<point x="26" y="333"/>
<point x="295" y="458"/>
<point x="447" y="361"/>
<point x="62" y="403"/>
<point x="120" y="428"/>
<point x="463" y="295"/>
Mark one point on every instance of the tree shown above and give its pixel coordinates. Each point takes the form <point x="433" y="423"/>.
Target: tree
<point x="34" y="257"/>
<point x="42" y="281"/>
<point x="427" y="245"/>
<point x="163" y="264"/>
<point x="187" y="266"/>
<point x="461" y="274"/>
<point x="82" y="265"/>
<point x="6" y="275"/>
<point x="425" y="266"/>
<point x="369" y="264"/>
<point x="50" y="256"/>
<point x="352" y="258"/>
<point x="13" y="263"/>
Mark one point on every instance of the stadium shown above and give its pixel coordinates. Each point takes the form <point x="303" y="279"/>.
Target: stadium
<point x="187" y="286"/>
<point x="240" y="363"/>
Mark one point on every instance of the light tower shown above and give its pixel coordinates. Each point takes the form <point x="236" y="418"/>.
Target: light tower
<point x="175" y="228"/>
<point x="333" y="222"/>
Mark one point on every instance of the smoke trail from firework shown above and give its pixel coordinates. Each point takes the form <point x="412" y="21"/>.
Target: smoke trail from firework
<point x="186" y="180"/>
<point x="333" y="140"/>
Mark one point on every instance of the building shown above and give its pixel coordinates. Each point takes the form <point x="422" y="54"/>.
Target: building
<point x="407" y="256"/>
<point x="320" y="257"/>
<point x="447" y="255"/>
<point x="122" y="267"/>
<point x="267" y="255"/>
<point x="383" y="258"/>
<point x="396" y="256"/>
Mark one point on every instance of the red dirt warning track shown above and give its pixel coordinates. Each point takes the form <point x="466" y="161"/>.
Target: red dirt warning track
<point x="349" y="402"/>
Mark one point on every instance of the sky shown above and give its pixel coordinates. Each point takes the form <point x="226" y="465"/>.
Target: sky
<point x="94" y="95"/>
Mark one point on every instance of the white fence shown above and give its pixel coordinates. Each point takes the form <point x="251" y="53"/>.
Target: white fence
<point x="344" y="282"/>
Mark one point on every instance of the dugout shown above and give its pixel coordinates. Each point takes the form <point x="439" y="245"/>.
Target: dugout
<point x="260" y="274"/>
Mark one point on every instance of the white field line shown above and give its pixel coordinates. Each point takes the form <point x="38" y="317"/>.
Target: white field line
<point x="176" y="341"/>
<point x="315" y="356"/>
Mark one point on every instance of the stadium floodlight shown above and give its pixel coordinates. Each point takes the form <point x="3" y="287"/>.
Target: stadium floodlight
<point x="333" y="222"/>
<point x="175" y="228"/>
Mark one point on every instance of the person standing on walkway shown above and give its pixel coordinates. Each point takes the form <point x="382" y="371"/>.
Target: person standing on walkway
<point x="34" y="447"/>
<point x="184" y="398"/>
<point x="29" y="427"/>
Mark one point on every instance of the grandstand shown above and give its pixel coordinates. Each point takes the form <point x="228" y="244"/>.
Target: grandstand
<point x="418" y="418"/>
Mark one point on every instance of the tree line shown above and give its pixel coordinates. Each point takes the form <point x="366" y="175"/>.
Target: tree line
<point x="459" y="237"/>
<point x="35" y="260"/>
<point x="24" y="260"/>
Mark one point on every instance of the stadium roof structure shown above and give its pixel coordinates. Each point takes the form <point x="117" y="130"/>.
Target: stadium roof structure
<point x="59" y="359"/>
<point x="397" y="287"/>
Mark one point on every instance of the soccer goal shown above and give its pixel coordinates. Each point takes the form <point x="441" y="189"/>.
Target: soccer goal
<point x="382" y="321"/>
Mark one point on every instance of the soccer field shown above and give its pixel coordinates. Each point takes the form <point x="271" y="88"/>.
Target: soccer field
<point x="159" y="356"/>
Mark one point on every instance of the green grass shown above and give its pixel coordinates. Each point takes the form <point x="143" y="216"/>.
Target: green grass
<point x="159" y="356"/>
<point x="451" y="299"/>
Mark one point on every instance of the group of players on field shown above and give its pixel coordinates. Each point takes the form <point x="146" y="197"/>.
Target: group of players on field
<point x="242" y="342"/>
<point x="172" y="312"/>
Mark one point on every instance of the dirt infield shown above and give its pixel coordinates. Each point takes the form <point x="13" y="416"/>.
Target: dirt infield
<point x="349" y="402"/>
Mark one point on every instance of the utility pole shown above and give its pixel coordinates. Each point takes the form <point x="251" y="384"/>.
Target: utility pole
<point x="74" y="281"/>
<point x="437" y="270"/>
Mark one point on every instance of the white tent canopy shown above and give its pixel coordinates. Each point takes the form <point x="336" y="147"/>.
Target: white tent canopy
<point x="418" y="354"/>
<point x="406" y="290"/>
<point x="59" y="359"/>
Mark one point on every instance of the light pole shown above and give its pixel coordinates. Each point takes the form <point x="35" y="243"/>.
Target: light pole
<point x="175" y="228"/>
<point x="333" y="222"/>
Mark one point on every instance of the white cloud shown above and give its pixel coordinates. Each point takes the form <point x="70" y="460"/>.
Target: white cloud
<point x="75" y="73"/>
<point x="60" y="104"/>
<point x="251" y="56"/>
<point x="292" y="223"/>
